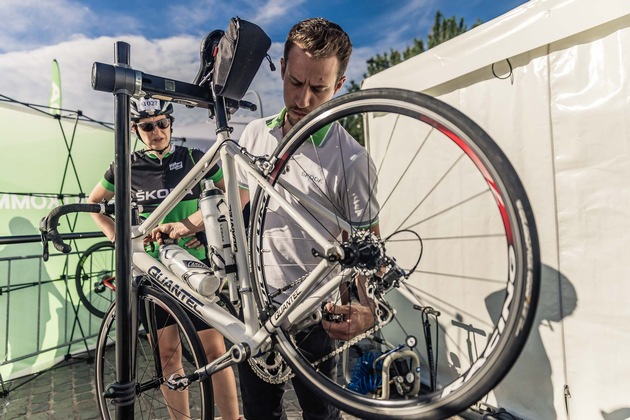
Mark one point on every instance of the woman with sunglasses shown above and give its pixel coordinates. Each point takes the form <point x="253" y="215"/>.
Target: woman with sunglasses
<point x="155" y="171"/>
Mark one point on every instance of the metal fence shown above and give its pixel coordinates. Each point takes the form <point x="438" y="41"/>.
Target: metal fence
<point x="41" y="319"/>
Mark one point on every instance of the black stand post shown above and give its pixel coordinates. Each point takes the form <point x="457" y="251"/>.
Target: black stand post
<point x="126" y="311"/>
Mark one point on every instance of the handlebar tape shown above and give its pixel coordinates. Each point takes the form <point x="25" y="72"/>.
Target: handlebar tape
<point x="48" y="225"/>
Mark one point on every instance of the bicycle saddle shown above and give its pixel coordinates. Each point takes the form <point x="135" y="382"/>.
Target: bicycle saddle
<point x="207" y="53"/>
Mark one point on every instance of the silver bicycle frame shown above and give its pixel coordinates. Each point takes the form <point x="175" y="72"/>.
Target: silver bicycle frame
<point x="293" y="310"/>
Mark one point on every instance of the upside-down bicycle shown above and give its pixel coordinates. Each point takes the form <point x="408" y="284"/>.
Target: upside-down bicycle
<point x="457" y="240"/>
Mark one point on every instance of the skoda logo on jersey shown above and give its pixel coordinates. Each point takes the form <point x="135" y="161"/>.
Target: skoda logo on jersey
<point x="143" y="195"/>
<point x="175" y="166"/>
<point x="313" y="178"/>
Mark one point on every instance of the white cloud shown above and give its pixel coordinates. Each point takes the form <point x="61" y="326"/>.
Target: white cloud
<point x="276" y="10"/>
<point x="27" y="74"/>
<point x="185" y="17"/>
<point x="202" y="16"/>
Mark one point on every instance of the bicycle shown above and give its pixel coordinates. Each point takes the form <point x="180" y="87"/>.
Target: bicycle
<point x="463" y="247"/>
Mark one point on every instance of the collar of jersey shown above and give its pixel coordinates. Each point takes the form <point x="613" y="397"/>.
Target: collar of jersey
<point x="317" y="139"/>
<point x="152" y="154"/>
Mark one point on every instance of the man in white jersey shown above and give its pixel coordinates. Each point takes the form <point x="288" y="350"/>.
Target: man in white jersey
<point x="341" y="184"/>
<point x="331" y="167"/>
<point x="316" y="55"/>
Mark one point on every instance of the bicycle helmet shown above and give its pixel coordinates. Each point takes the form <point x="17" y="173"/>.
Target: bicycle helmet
<point x="149" y="107"/>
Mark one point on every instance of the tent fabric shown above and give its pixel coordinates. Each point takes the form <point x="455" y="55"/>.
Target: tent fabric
<point x="561" y="117"/>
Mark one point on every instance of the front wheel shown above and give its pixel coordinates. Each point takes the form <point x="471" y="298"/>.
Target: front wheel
<point x="96" y="279"/>
<point x="451" y="267"/>
<point x="167" y="333"/>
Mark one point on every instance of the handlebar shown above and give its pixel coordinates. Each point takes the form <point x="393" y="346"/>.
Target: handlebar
<point x="48" y="225"/>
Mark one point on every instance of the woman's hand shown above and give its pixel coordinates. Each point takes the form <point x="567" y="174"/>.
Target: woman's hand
<point x="175" y="231"/>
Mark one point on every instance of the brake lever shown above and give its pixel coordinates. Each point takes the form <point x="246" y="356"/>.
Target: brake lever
<point x="43" y="230"/>
<point x="45" y="253"/>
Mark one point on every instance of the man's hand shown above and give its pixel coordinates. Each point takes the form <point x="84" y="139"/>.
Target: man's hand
<point x="356" y="319"/>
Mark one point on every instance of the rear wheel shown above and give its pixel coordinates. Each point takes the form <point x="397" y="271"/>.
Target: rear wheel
<point x="454" y="269"/>
<point x="170" y="329"/>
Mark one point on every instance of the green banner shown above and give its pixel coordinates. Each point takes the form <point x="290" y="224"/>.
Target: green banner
<point x="54" y="102"/>
<point x="38" y="299"/>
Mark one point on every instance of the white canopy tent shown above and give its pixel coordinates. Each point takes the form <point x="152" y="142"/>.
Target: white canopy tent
<point x="549" y="82"/>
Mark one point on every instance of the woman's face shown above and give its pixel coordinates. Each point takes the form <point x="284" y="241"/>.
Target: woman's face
<point x="157" y="138"/>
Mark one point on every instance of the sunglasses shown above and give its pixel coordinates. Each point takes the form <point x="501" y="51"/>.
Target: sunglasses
<point x="150" y="126"/>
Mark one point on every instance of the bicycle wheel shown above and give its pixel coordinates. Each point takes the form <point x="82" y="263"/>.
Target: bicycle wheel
<point x="95" y="277"/>
<point x="152" y="399"/>
<point x="454" y="272"/>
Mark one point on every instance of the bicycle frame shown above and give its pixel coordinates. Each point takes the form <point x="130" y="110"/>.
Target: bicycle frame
<point x="297" y="306"/>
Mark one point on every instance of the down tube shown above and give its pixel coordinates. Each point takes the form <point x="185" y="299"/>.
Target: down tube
<point x="229" y="326"/>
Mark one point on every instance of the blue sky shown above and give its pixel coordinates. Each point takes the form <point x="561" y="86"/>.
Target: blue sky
<point x="33" y="23"/>
<point x="164" y="37"/>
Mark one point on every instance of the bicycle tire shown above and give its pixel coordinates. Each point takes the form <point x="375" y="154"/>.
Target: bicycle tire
<point x="446" y="190"/>
<point x="149" y="375"/>
<point x="96" y="265"/>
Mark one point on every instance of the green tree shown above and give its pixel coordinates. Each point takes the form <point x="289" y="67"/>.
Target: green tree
<point x="443" y="29"/>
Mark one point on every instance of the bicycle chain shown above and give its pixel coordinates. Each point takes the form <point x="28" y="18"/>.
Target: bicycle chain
<point x="259" y="364"/>
<point x="349" y="343"/>
<point x="287" y="287"/>
<point x="261" y="368"/>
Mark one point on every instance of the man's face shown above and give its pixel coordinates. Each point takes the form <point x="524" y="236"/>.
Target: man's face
<point x="308" y="83"/>
<point x="157" y="138"/>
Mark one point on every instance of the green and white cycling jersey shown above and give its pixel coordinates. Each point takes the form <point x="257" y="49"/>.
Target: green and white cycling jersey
<point x="153" y="179"/>
<point x="330" y="167"/>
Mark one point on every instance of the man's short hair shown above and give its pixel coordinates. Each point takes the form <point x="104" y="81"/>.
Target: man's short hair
<point x="321" y="38"/>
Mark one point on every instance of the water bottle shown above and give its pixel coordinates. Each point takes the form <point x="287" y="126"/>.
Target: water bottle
<point x="188" y="268"/>
<point x="214" y="211"/>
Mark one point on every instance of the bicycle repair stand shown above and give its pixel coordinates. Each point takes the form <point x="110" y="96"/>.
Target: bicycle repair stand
<point x="124" y="82"/>
<point x="123" y="87"/>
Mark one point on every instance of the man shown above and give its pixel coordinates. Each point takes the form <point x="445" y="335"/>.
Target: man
<point x="316" y="55"/>
<point x="315" y="58"/>
<point x="155" y="170"/>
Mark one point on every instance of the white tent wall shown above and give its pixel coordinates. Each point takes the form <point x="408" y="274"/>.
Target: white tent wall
<point x="561" y="116"/>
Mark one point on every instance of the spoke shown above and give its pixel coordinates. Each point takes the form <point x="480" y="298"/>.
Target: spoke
<point x="460" y="276"/>
<point x="443" y="211"/>
<point x="394" y="188"/>
<point x="444" y="305"/>
<point x="446" y="238"/>
<point x="389" y="142"/>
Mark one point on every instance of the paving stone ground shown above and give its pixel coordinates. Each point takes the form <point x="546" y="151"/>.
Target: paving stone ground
<point x="67" y="392"/>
